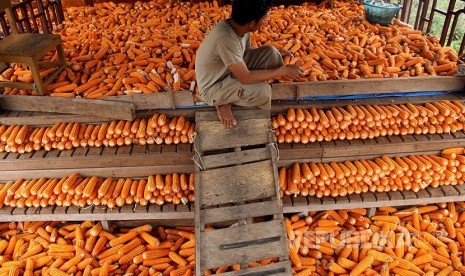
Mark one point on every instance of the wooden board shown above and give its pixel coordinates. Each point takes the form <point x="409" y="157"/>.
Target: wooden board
<point x="74" y="213"/>
<point x="368" y="149"/>
<point x="134" y="172"/>
<point x="98" y="108"/>
<point x="161" y="100"/>
<point x="372" y="200"/>
<point x="260" y="240"/>
<point x="237" y="183"/>
<point x="247" y="132"/>
<point x="87" y="158"/>
<point x="290" y="91"/>
<point x="38" y="119"/>
<point x="232" y="158"/>
<point x="274" y="269"/>
<point x="237" y="212"/>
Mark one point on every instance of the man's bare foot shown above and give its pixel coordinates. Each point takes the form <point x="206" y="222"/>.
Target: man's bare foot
<point x="226" y="116"/>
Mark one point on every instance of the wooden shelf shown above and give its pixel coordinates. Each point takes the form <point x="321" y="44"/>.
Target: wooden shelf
<point x="371" y="200"/>
<point x="367" y="149"/>
<point x="182" y="213"/>
<point x="126" y="161"/>
<point x="171" y="214"/>
<point x="140" y="161"/>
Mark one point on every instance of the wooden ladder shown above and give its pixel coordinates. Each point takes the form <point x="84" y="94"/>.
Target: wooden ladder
<point x="237" y="185"/>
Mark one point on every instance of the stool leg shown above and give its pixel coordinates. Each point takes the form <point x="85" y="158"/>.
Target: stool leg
<point x="37" y="79"/>
<point x="61" y="54"/>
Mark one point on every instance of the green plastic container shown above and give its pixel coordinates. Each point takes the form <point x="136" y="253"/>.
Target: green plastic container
<point x="379" y="13"/>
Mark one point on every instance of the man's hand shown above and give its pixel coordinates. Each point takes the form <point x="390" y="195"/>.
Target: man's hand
<point x="286" y="53"/>
<point x="292" y="71"/>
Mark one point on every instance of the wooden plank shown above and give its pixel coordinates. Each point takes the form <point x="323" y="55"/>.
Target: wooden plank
<point x="109" y="151"/>
<point x="168" y="148"/>
<point x="156" y="100"/>
<point x="79" y="160"/>
<point x="327" y="200"/>
<point x="236" y="184"/>
<point x="243" y="244"/>
<point x="249" y="132"/>
<point x="275" y="269"/>
<point x="409" y="195"/>
<point x="80" y="152"/>
<point x="184" y="148"/>
<point x="94" y="151"/>
<point x="367" y="86"/>
<point x="98" y="108"/>
<point x="428" y="196"/>
<point x="423" y="194"/>
<point x="435" y="192"/>
<point x="48" y="119"/>
<point x="449" y="190"/>
<point x="67" y="153"/>
<point x="239" y="115"/>
<point x="397" y="195"/>
<point x="138" y="171"/>
<point x="299" y="201"/>
<point x="232" y="158"/>
<point x="355" y="198"/>
<point x="286" y="200"/>
<point x="368" y="197"/>
<point x="183" y="208"/>
<point x="139" y="149"/>
<point x="460" y="189"/>
<point x="238" y="212"/>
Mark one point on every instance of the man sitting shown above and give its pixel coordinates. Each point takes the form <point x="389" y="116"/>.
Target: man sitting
<point x="230" y="71"/>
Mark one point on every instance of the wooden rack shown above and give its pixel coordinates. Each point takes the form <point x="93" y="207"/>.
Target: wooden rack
<point x="139" y="161"/>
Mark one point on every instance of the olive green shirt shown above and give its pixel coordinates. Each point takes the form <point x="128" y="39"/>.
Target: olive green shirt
<point x="221" y="48"/>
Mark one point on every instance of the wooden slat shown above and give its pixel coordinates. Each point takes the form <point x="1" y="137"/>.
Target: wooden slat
<point x="237" y="212"/>
<point x="74" y="213"/>
<point x="273" y="269"/>
<point x="367" y="86"/>
<point x="221" y="244"/>
<point x="239" y="115"/>
<point x="248" y="132"/>
<point x="41" y="119"/>
<point x="156" y="100"/>
<point x="139" y="171"/>
<point x="236" y="184"/>
<point x="98" y="108"/>
<point x="232" y="158"/>
<point x="428" y="196"/>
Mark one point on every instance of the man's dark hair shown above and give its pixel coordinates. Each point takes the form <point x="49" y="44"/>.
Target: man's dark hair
<point x="245" y="11"/>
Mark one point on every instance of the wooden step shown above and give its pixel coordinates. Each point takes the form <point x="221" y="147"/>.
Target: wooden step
<point x="243" y="244"/>
<point x="238" y="212"/>
<point x="236" y="158"/>
<point x="274" y="269"/>
<point x="253" y="128"/>
<point x="236" y="184"/>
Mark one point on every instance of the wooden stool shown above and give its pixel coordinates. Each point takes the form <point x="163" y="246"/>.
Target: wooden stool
<point x="29" y="48"/>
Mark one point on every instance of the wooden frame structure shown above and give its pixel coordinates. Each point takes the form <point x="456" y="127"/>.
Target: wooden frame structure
<point x="30" y="48"/>
<point x="138" y="161"/>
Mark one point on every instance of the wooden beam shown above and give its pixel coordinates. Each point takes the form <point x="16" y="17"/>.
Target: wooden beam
<point x="40" y="119"/>
<point x="98" y="108"/>
<point x="428" y="196"/>
<point x="161" y="100"/>
<point x="288" y="91"/>
<point x="133" y="172"/>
